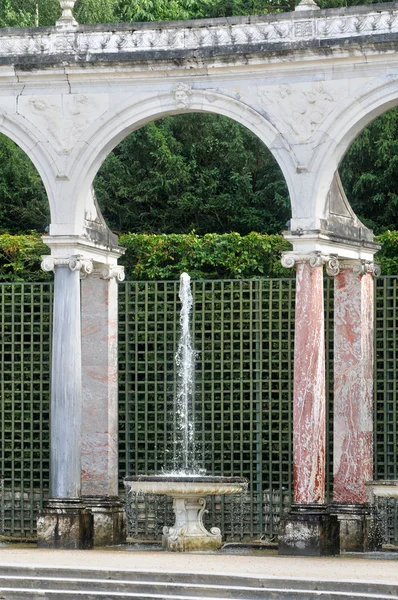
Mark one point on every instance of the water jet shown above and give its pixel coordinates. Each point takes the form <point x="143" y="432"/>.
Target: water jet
<point x="186" y="485"/>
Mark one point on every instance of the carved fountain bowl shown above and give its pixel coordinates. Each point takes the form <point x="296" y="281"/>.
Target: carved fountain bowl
<point x="384" y="488"/>
<point x="185" y="485"/>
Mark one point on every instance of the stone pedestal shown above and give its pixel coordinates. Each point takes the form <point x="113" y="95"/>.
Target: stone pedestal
<point x="188" y="532"/>
<point x="65" y="524"/>
<point x="309" y="530"/>
<point x="353" y="405"/>
<point x="109" y="520"/>
<point x="359" y="527"/>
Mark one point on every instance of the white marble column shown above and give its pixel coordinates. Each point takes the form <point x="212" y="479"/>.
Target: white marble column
<point x="64" y="523"/>
<point x="66" y="377"/>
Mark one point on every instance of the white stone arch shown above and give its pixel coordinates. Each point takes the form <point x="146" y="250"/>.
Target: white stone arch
<point x="342" y="127"/>
<point x="107" y="132"/>
<point x="34" y="147"/>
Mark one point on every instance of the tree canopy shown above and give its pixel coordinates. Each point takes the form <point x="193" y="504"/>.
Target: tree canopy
<point x="193" y="172"/>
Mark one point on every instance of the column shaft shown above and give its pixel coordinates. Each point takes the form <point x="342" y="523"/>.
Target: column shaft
<point x="100" y="386"/>
<point x="66" y="386"/>
<point x="309" y="387"/>
<point x="353" y="386"/>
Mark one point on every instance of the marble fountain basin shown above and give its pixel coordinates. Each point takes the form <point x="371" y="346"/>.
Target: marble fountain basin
<point x="189" y="504"/>
<point x="384" y="488"/>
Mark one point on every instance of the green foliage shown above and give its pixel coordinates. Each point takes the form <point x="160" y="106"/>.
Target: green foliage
<point x="201" y="172"/>
<point x="147" y="257"/>
<point x="369" y="173"/>
<point x="23" y="199"/>
<point x="165" y="257"/>
<point x="22" y="13"/>
<point x="20" y="258"/>
<point x="227" y="256"/>
<point x="388" y="255"/>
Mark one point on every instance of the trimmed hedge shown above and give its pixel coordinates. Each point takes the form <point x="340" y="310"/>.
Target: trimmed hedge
<point x="163" y="257"/>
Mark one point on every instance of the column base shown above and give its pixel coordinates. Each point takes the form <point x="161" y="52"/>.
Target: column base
<point x="309" y="530"/>
<point x="359" y="527"/>
<point x="109" y="519"/>
<point x="65" y="523"/>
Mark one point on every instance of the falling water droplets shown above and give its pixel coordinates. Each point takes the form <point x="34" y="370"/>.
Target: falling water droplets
<point x="184" y="434"/>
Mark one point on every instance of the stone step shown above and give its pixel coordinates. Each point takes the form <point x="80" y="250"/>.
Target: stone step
<point x="30" y="583"/>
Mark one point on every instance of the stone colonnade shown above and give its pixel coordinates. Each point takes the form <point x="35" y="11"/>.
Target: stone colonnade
<point x="314" y="527"/>
<point x="84" y="508"/>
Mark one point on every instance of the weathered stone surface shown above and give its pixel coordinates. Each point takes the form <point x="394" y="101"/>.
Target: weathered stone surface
<point x="109" y="520"/>
<point x="65" y="524"/>
<point x="359" y="527"/>
<point x="201" y="37"/>
<point x="309" y="530"/>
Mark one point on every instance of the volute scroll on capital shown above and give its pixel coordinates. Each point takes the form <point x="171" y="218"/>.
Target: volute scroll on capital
<point x="108" y="272"/>
<point x="358" y="266"/>
<point x="315" y="259"/>
<point x="74" y="263"/>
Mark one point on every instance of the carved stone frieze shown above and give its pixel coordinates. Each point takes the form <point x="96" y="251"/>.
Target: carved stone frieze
<point x="63" y="120"/>
<point x="302" y="109"/>
<point x="305" y="25"/>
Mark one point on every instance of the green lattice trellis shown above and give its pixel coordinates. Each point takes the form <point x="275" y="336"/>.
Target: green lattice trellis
<point x="243" y="331"/>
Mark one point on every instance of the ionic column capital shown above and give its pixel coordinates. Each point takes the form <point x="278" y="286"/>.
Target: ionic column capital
<point x="357" y="266"/>
<point x="110" y="272"/>
<point x="74" y="263"/>
<point x="315" y="259"/>
<point x="332" y="262"/>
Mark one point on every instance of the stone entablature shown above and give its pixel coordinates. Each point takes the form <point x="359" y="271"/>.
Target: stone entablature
<point x="205" y="37"/>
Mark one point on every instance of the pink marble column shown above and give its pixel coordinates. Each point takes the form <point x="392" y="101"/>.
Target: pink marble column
<point x="100" y="469"/>
<point x="353" y="385"/>
<point x="99" y="383"/>
<point x="309" y="387"/>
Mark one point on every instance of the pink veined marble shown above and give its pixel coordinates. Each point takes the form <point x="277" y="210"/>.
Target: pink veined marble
<point x="353" y="386"/>
<point x="99" y="384"/>
<point x="309" y="387"/>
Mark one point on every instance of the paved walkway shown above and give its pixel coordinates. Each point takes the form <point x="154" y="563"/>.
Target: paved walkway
<point x="343" y="568"/>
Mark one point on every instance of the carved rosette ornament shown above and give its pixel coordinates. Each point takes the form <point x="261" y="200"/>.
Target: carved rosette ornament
<point x="75" y="263"/>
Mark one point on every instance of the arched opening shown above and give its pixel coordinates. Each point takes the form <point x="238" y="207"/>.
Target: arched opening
<point x="188" y="172"/>
<point x="25" y="316"/>
<point x="209" y="173"/>
<point x="23" y="198"/>
<point x="368" y="173"/>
